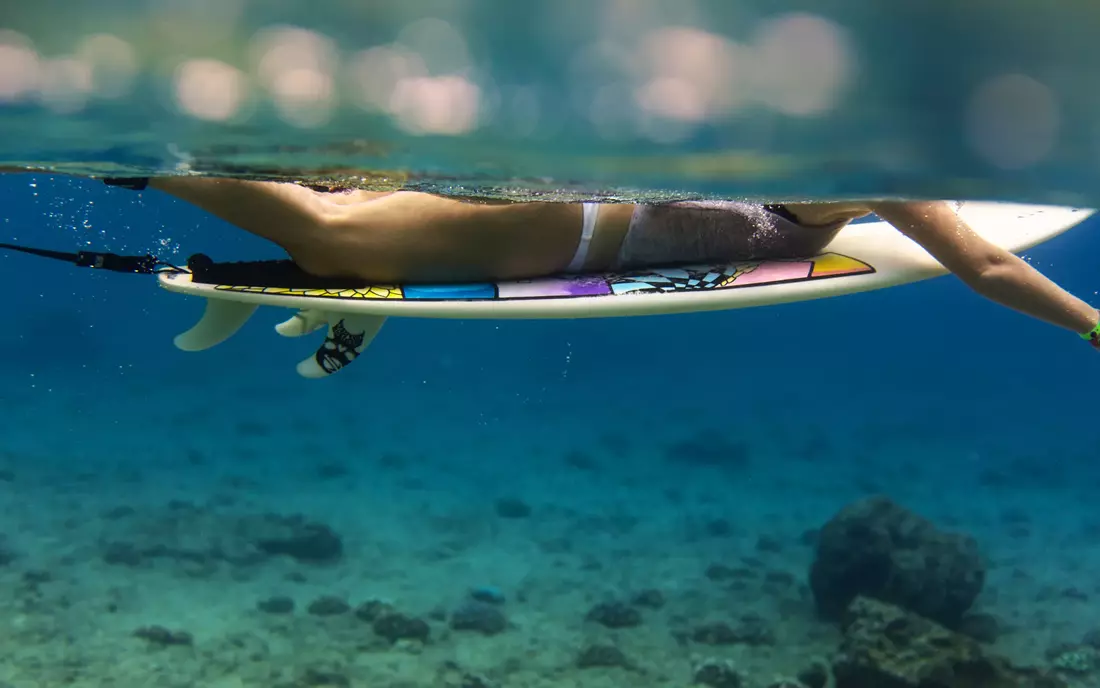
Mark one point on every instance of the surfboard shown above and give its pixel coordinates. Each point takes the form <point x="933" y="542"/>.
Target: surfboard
<point x="864" y="256"/>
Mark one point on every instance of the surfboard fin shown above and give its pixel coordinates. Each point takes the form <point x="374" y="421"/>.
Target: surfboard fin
<point x="219" y="322"/>
<point x="347" y="338"/>
<point x="302" y="323"/>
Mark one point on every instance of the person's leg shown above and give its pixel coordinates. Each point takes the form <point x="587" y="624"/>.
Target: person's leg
<point x="393" y="236"/>
<point x="351" y="196"/>
<point x="417" y="237"/>
<point x="292" y="216"/>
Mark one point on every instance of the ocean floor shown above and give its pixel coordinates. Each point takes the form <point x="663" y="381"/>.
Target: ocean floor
<point x="155" y="540"/>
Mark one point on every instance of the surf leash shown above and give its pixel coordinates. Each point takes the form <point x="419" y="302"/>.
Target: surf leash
<point x="348" y="335"/>
<point x="147" y="264"/>
<point x="203" y="269"/>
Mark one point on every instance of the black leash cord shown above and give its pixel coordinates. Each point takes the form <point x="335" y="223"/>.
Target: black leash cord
<point x="147" y="264"/>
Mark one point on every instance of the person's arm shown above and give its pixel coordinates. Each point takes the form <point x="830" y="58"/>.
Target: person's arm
<point x="986" y="268"/>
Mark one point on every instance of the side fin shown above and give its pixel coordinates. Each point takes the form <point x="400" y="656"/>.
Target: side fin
<point x="302" y="323"/>
<point x="347" y="338"/>
<point x="219" y="322"/>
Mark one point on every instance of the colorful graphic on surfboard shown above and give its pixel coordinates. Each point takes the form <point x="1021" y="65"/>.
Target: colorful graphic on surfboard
<point x="863" y="257"/>
<point x="651" y="281"/>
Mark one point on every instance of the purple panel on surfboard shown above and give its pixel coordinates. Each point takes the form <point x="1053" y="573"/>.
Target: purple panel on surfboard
<point x="555" y="287"/>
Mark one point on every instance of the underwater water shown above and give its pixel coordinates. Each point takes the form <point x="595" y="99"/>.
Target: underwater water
<point x="622" y="502"/>
<point x="679" y="501"/>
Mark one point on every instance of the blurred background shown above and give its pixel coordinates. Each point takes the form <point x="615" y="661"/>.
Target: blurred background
<point x="629" y="97"/>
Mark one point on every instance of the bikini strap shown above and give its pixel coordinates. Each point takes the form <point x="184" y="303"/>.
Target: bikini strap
<point x="588" y="228"/>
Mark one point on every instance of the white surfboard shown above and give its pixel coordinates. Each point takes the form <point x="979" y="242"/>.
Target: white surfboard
<point x="863" y="257"/>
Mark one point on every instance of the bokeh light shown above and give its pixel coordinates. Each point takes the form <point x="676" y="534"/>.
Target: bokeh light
<point x="440" y="45"/>
<point x="801" y="64"/>
<point x="374" y="74"/>
<point x="209" y="89"/>
<point x="637" y="69"/>
<point x="113" y="63"/>
<point x="436" y="105"/>
<point x="422" y="81"/>
<point x="690" y="74"/>
<point x="1013" y="121"/>
<point x="65" y="84"/>
<point x="297" y="68"/>
<point x="20" y="69"/>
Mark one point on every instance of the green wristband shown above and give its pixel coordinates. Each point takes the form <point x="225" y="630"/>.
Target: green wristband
<point x="1093" y="335"/>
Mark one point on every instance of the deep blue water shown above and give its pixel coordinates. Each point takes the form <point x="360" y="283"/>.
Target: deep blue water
<point x="967" y="413"/>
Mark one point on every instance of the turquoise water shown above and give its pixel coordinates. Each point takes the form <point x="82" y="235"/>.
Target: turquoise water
<point x="478" y="504"/>
<point x="563" y="464"/>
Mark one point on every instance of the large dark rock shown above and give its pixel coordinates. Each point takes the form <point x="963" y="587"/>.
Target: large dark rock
<point x="887" y="647"/>
<point x="202" y="539"/>
<point x="485" y="618"/>
<point x="306" y="541"/>
<point x="394" y="627"/>
<point x="878" y="549"/>
<point x="717" y="673"/>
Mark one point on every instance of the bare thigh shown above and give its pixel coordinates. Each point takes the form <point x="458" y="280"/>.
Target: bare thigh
<point x="388" y="236"/>
<point x="352" y="196"/>
<point x="417" y="237"/>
